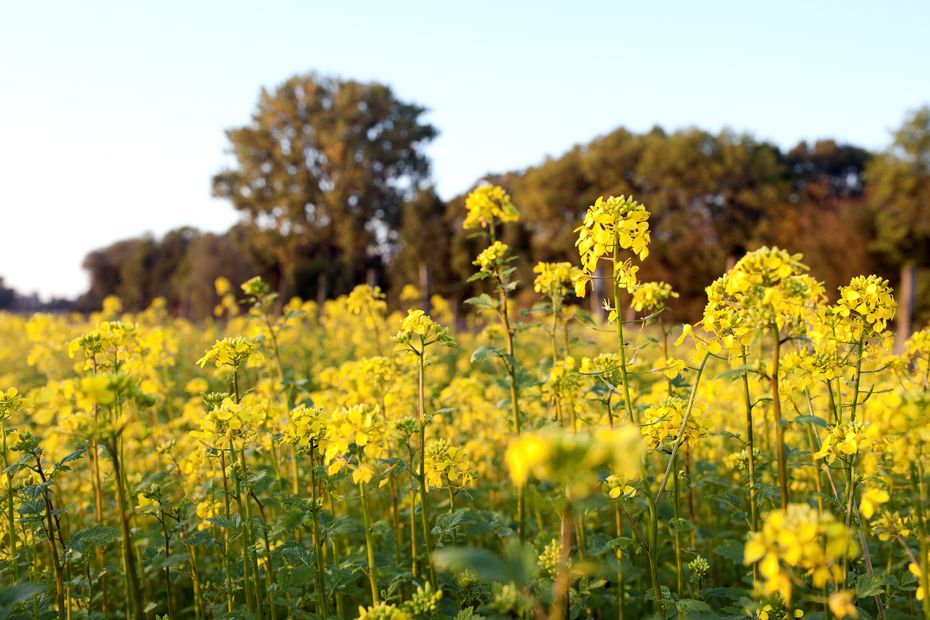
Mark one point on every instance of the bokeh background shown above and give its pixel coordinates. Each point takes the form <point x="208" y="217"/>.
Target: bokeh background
<point x="149" y="148"/>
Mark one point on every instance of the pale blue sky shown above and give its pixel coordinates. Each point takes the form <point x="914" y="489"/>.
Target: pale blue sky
<point x="112" y="113"/>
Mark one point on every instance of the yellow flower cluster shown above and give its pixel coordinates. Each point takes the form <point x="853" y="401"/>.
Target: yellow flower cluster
<point x="447" y="466"/>
<point x="418" y="328"/>
<point x="361" y="426"/>
<point x="382" y="611"/>
<point x="799" y="539"/>
<point x="305" y="425"/>
<point x="767" y="287"/>
<point x="489" y="204"/>
<point x="573" y="460"/>
<point x="848" y="440"/>
<point x="11" y="401"/>
<point x="491" y="257"/>
<point x="227" y="420"/>
<point x="611" y="224"/>
<point x="555" y="280"/>
<point x="662" y="424"/>
<point x="233" y="352"/>
<point x="367" y="302"/>
<point x="563" y="380"/>
<point x="868" y="297"/>
<point x="651" y="297"/>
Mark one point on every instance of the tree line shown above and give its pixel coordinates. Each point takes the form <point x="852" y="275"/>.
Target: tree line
<point x="333" y="185"/>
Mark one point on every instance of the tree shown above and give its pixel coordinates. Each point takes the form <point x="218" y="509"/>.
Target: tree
<point x="424" y="248"/>
<point x="899" y="191"/>
<point x="323" y="170"/>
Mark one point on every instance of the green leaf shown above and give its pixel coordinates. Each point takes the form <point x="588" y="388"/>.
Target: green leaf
<point x="483" y="301"/>
<point x="96" y="536"/>
<point x="811" y="419"/>
<point x="735" y="373"/>
<point x="517" y="564"/>
<point x="483" y="352"/>
<point x="18" y="593"/>
<point x="731" y="550"/>
<point x="687" y="605"/>
<point x="72" y="457"/>
<point x="224" y="522"/>
<point x="871" y="585"/>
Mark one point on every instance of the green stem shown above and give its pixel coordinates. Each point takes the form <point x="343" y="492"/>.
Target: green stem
<point x="134" y="589"/>
<point x="779" y="430"/>
<point x="317" y="543"/>
<point x="621" y="586"/>
<point x="230" y="601"/>
<point x="369" y="545"/>
<point x="751" y="453"/>
<point x="424" y="494"/>
<point x="679" y="584"/>
<point x="10" y="508"/>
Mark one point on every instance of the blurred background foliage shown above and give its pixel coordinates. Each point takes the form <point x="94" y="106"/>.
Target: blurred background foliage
<point x="333" y="186"/>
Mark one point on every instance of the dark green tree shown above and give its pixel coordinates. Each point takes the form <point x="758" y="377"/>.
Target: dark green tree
<point x="899" y="192"/>
<point x="323" y="169"/>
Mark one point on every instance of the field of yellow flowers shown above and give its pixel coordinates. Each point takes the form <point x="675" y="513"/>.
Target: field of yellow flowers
<point x="295" y="461"/>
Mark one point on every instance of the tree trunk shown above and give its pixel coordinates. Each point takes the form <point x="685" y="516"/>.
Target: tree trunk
<point x="597" y="296"/>
<point x="907" y="289"/>
<point x="424" y="287"/>
<point x="322" y="289"/>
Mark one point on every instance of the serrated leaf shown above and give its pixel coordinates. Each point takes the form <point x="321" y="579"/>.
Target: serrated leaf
<point x="811" y="419"/>
<point x="731" y="550"/>
<point x="483" y="352"/>
<point x="483" y="301"/>
<point x="96" y="536"/>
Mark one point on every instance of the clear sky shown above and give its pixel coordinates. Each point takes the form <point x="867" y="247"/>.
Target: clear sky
<point x="112" y="113"/>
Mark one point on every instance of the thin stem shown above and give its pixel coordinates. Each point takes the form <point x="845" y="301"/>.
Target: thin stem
<point x="369" y="545"/>
<point x="779" y="430"/>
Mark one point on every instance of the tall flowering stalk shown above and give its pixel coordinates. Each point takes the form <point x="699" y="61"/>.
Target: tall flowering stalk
<point x="361" y="427"/>
<point x="306" y="430"/>
<point x="487" y="207"/>
<point x="226" y="419"/>
<point x="11" y="403"/>
<point x="417" y="333"/>
<point x="769" y="291"/>
<point x="610" y="226"/>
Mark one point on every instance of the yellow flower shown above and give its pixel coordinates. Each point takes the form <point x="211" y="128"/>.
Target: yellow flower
<point x="801" y="539"/>
<point x="230" y="352"/>
<point x="487" y="205"/>
<point x="663" y="424"/>
<point x="842" y="604"/>
<point x="847" y="441"/>
<point x="573" y="460"/>
<point x="382" y="611"/>
<point x="305" y="425"/>
<point x="870" y="298"/>
<point x="447" y="466"/>
<point x="872" y="498"/>
<point x="96" y="389"/>
<point x="673" y="367"/>
<point x="555" y="280"/>
<point x="417" y="327"/>
<point x="651" y="297"/>
<point x="368" y="302"/>
<point x="10" y="403"/>
<point x="491" y="257"/>
<point x="611" y="224"/>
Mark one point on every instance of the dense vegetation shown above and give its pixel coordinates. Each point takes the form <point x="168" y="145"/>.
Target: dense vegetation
<point x="332" y="182"/>
<point x="338" y="460"/>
